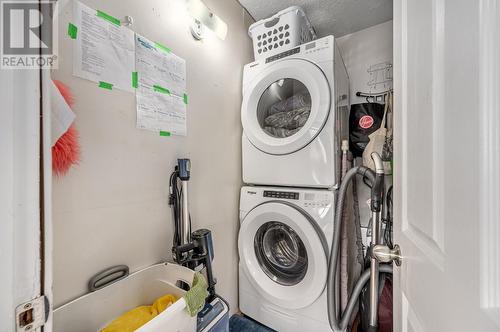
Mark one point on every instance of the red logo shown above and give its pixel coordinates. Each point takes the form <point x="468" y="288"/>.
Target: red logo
<point x="366" y="122"/>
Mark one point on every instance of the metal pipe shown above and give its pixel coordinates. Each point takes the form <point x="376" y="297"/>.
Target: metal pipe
<point x="184" y="169"/>
<point x="185" y="229"/>
<point x="376" y="207"/>
<point x="374" y="273"/>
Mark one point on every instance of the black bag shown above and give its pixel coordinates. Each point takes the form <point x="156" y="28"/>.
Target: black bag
<point x="364" y="119"/>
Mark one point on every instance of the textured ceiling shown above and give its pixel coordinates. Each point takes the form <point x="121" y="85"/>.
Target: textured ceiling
<point x="337" y="17"/>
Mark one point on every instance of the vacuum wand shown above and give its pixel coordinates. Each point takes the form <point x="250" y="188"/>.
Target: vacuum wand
<point x="190" y="249"/>
<point x="377" y="195"/>
<point x="184" y="167"/>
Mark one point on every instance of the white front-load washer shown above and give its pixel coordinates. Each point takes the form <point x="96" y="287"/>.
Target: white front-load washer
<point x="283" y="243"/>
<point x="294" y="114"/>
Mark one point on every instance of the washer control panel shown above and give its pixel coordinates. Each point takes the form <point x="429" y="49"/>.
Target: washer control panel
<point x="281" y="194"/>
<point x="320" y="204"/>
<point x="312" y="200"/>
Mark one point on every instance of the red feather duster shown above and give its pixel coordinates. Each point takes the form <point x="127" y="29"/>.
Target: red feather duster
<point x="66" y="151"/>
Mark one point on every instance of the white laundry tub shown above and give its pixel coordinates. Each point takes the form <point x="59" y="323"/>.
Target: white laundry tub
<point x="93" y="311"/>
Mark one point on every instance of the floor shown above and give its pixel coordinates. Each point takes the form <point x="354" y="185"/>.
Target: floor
<point x="239" y="323"/>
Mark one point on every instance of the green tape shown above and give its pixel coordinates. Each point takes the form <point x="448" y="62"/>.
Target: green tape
<point x="109" y="18"/>
<point x="105" y="85"/>
<point x="161" y="89"/>
<point x="164" y="133"/>
<point x="72" y="31"/>
<point x="134" y="79"/>
<point x="162" y="47"/>
<point x="185" y="99"/>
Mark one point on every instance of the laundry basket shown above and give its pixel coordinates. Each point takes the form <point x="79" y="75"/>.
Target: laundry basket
<point x="287" y="28"/>
<point x="92" y="312"/>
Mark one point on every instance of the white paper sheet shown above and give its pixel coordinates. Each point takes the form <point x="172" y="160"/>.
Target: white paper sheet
<point x="155" y="66"/>
<point x="161" y="89"/>
<point x="61" y="116"/>
<point x="103" y="51"/>
<point x="160" y="112"/>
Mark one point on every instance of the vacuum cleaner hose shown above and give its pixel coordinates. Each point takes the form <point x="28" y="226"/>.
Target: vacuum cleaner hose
<point x="360" y="284"/>
<point x="335" y="324"/>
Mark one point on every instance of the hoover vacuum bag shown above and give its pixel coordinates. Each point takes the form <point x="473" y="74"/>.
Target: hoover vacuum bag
<point x="364" y="119"/>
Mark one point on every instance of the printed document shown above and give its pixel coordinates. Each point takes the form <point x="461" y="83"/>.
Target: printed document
<point x="104" y="50"/>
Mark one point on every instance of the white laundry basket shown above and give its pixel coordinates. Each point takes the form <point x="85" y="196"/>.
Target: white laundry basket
<point x="92" y="312"/>
<point x="287" y="28"/>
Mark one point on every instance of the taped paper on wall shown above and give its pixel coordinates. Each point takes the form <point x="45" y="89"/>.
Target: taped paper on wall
<point x="156" y="65"/>
<point x="103" y="49"/>
<point x="161" y="86"/>
<point x="160" y="112"/>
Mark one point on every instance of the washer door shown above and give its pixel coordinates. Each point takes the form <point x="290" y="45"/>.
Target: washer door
<point x="286" y="106"/>
<point x="283" y="254"/>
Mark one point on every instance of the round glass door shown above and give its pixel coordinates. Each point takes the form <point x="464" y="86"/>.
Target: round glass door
<point x="285" y="106"/>
<point x="281" y="253"/>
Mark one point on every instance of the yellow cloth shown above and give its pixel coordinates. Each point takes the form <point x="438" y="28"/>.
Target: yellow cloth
<point x="135" y="318"/>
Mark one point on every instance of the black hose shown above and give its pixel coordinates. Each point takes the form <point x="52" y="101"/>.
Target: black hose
<point x="176" y="204"/>
<point x="175" y="201"/>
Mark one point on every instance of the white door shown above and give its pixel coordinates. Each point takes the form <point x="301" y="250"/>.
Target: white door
<point x="21" y="257"/>
<point x="447" y="165"/>
<point x="285" y="107"/>
<point x="283" y="254"/>
<point x="25" y="191"/>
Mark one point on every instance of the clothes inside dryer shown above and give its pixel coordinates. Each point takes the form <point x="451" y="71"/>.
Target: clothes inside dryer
<point x="284" y="108"/>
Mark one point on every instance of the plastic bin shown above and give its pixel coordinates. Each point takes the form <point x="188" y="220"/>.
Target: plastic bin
<point x="94" y="311"/>
<point x="285" y="29"/>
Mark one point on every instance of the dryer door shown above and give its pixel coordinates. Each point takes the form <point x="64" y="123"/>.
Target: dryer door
<point x="286" y="106"/>
<point x="283" y="254"/>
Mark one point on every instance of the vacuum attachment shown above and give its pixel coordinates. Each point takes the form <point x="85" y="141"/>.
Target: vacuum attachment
<point x="199" y="252"/>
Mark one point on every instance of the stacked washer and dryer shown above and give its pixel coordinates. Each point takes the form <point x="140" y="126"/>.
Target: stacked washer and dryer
<point x="294" y="114"/>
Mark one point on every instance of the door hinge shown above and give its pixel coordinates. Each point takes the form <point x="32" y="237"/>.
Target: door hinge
<point x="32" y="314"/>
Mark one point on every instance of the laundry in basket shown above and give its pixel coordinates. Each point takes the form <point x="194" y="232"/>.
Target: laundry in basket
<point x="135" y="318"/>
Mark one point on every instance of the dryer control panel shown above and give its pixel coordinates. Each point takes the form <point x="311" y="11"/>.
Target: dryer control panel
<point x="283" y="54"/>
<point x="319" y="45"/>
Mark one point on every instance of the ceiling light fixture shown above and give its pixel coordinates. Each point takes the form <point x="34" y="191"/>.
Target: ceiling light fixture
<point x="204" y="18"/>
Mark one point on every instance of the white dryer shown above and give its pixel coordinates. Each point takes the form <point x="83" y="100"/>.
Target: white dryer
<point x="283" y="243"/>
<point x="294" y="114"/>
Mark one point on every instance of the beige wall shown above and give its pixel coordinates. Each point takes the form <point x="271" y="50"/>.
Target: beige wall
<point x="112" y="208"/>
